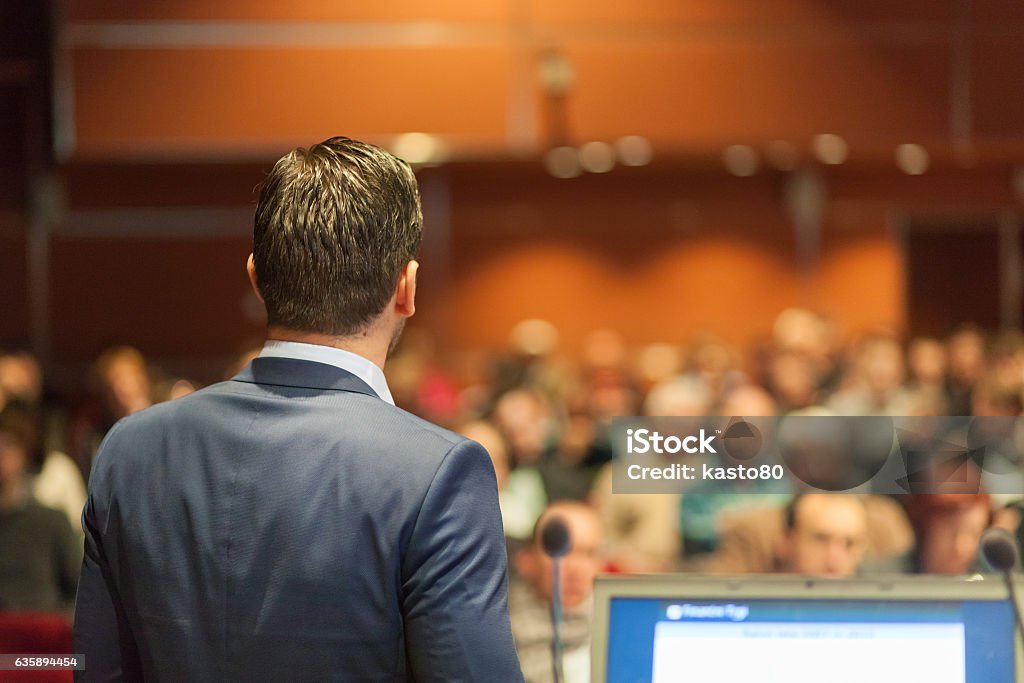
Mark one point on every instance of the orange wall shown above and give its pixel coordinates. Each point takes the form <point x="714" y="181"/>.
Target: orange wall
<point x="658" y="255"/>
<point x="198" y="100"/>
<point x="689" y="75"/>
<point x="670" y="293"/>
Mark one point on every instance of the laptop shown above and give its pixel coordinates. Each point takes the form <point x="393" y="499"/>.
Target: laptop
<point x="789" y="629"/>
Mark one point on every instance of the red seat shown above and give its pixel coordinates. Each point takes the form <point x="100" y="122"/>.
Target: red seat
<point x="35" y="633"/>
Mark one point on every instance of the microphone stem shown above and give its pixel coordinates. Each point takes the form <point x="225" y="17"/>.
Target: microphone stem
<point x="556" y="620"/>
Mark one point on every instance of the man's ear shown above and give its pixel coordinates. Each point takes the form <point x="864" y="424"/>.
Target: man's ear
<point x="250" y="269"/>
<point x="405" y="294"/>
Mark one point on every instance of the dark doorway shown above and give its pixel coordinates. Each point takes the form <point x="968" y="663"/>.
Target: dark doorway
<point x="954" y="276"/>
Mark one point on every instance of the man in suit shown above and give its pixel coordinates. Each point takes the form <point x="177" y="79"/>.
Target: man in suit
<point x="291" y="523"/>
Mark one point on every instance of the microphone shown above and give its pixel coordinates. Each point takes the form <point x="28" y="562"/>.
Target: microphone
<point x="554" y="538"/>
<point x="999" y="548"/>
<point x="556" y="543"/>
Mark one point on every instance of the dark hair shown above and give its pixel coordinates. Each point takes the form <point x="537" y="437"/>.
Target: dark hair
<point x="335" y="225"/>
<point x="18" y="423"/>
<point x="790" y="511"/>
<point x="792" y="508"/>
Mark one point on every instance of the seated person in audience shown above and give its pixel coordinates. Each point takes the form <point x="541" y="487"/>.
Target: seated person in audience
<point x="875" y="385"/>
<point x="55" y="479"/>
<point x="521" y="494"/>
<point x="532" y="423"/>
<point x="825" y="535"/>
<point x="642" y="530"/>
<point x="759" y="540"/>
<point x="704" y="502"/>
<point x="948" y="527"/>
<point x="122" y="386"/>
<point x="39" y="554"/>
<point x="530" y="592"/>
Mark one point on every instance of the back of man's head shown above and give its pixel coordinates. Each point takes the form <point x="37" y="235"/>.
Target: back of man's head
<point x="335" y="226"/>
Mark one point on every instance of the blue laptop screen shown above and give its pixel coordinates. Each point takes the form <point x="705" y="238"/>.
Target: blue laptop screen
<point x="654" y="640"/>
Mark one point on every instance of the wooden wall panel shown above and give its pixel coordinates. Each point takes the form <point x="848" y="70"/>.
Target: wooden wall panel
<point x="217" y="101"/>
<point x="998" y="14"/>
<point x="860" y="282"/>
<point x="998" y="97"/>
<point x="14" y="185"/>
<point x="660" y="253"/>
<point x="275" y="10"/>
<point x="91" y="185"/>
<point x="563" y="12"/>
<point x="659" y="256"/>
<point x="730" y="285"/>
<point x="706" y="284"/>
<point x="735" y="12"/>
<point x="946" y="189"/>
<point x="14" y="311"/>
<point x="709" y="93"/>
<point x="953" y="278"/>
<point x="178" y="298"/>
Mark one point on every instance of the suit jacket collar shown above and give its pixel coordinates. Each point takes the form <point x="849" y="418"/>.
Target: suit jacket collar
<point x="292" y="372"/>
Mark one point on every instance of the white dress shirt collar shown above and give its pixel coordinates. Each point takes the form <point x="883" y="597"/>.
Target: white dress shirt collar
<point x="361" y="367"/>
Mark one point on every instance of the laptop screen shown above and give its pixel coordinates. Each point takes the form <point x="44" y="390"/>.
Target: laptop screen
<point x="950" y="633"/>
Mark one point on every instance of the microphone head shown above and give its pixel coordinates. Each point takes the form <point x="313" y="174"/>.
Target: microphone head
<point x="999" y="548"/>
<point x="554" y="538"/>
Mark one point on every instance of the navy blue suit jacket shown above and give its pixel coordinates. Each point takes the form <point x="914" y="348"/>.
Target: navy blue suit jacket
<point x="289" y="525"/>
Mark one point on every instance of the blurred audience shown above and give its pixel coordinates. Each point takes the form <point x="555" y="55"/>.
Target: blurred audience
<point x="120" y="385"/>
<point x="701" y="508"/>
<point x="39" y="554"/>
<point x="520" y="491"/>
<point x="818" y="533"/>
<point x="54" y="479"/>
<point x="874" y="385"/>
<point x="545" y="416"/>
<point x="967" y="365"/>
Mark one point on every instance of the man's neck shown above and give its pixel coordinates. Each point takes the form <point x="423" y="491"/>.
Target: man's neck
<point x="367" y="345"/>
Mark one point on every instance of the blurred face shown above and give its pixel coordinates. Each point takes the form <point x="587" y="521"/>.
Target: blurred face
<point x="526" y="422"/>
<point x="883" y="366"/>
<point x="793" y="380"/>
<point x="966" y="357"/>
<point x="127" y="388"/>
<point x="489" y="437"/>
<point x="749" y="401"/>
<point x="12" y="461"/>
<point x="578" y="568"/>
<point x="829" y="538"/>
<point x="950" y="543"/>
<point x="20" y="377"/>
<point x="928" y="361"/>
